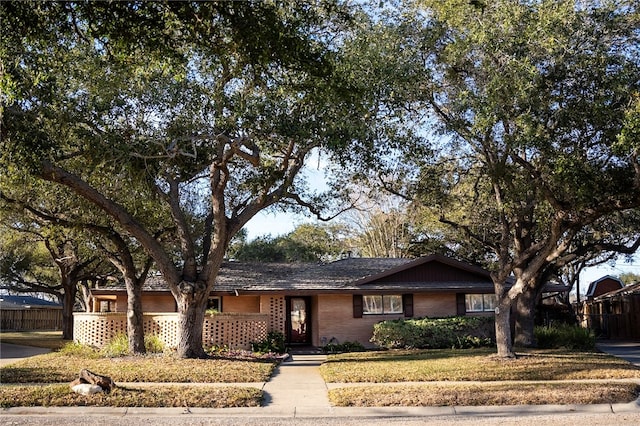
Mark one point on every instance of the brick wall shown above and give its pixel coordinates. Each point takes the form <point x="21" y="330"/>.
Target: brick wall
<point x="434" y="305"/>
<point x="250" y="304"/>
<point x="334" y="315"/>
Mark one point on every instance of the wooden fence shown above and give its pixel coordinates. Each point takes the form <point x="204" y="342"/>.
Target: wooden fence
<point x="613" y="317"/>
<point x="30" y="319"/>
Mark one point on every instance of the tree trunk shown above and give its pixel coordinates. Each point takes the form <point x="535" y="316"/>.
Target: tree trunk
<point x="503" y="328"/>
<point x="191" y="310"/>
<point x="69" y="299"/>
<point x="135" y="329"/>
<point x="525" y="319"/>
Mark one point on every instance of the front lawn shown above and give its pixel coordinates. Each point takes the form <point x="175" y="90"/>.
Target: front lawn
<point x="57" y="367"/>
<point x="39" y="339"/>
<point x="473" y="365"/>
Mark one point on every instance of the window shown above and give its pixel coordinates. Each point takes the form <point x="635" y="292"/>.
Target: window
<point x="105" y="306"/>
<point x="480" y="302"/>
<point x="214" y="304"/>
<point x="381" y="304"/>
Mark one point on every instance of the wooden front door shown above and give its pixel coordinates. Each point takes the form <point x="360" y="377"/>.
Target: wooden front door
<point x="298" y="320"/>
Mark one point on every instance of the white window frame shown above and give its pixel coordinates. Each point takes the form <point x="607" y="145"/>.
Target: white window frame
<point x="211" y="301"/>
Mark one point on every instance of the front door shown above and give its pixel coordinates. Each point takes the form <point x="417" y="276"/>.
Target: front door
<point x="298" y="320"/>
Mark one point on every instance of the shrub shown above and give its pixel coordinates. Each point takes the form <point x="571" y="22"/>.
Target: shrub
<point x="335" y="347"/>
<point x="274" y="342"/>
<point x="117" y="346"/>
<point x="153" y="344"/>
<point x="565" y="336"/>
<point x="79" y="350"/>
<point x="435" y="333"/>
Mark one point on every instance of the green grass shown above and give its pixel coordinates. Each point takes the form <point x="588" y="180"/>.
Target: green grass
<point x="473" y="365"/>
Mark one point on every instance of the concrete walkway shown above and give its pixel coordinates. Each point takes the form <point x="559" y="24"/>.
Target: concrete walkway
<point x="297" y="388"/>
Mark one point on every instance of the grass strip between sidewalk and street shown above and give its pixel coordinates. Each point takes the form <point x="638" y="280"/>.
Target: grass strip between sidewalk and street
<point x="59" y="395"/>
<point x="424" y="395"/>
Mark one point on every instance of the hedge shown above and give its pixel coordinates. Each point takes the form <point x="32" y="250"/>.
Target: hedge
<point x="435" y="333"/>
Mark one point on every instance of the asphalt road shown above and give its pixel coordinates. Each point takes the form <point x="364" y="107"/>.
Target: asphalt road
<point x="567" y="419"/>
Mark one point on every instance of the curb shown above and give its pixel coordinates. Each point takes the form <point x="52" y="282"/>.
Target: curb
<point x="332" y="412"/>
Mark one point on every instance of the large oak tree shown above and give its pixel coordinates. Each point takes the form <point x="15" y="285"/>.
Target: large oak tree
<point x="214" y="106"/>
<point x="539" y="104"/>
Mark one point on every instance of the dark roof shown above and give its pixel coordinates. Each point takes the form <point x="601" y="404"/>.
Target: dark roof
<point x="26" y="302"/>
<point x="433" y="273"/>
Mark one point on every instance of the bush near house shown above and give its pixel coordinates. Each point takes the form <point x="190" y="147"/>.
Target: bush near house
<point x="273" y="343"/>
<point x="565" y="336"/>
<point x="333" y="347"/>
<point x="435" y="333"/>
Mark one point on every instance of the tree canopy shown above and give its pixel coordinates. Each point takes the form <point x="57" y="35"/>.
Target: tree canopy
<point x="538" y="102"/>
<point x="212" y="106"/>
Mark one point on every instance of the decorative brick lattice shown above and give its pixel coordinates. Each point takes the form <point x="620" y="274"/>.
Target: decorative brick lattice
<point x="97" y="329"/>
<point x="277" y="313"/>
<point x="165" y="326"/>
<point x="236" y="331"/>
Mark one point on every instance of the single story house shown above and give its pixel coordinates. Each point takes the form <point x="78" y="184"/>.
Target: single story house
<point x="313" y="304"/>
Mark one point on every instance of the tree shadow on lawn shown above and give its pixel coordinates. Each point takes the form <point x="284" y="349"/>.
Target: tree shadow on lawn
<point x="400" y="355"/>
<point x="11" y="374"/>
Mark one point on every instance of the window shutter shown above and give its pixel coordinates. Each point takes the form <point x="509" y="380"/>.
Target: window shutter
<point x="357" y="306"/>
<point x="407" y="305"/>
<point x="461" y="304"/>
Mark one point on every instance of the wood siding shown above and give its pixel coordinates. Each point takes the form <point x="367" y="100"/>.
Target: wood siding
<point x="433" y="272"/>
<point x="30" y="319"/>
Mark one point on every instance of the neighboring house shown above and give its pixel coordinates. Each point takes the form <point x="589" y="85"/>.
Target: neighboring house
<point x="615" y="314"/>
<point x="603" y="285"/>
<point x="313" y="304"/>
<point x="29" y="313"/>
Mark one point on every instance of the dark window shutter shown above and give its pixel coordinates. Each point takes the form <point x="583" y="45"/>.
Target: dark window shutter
<point x="461" y="304"/>
<point x="407" y="305"/>
<point x="357" y="306"/>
